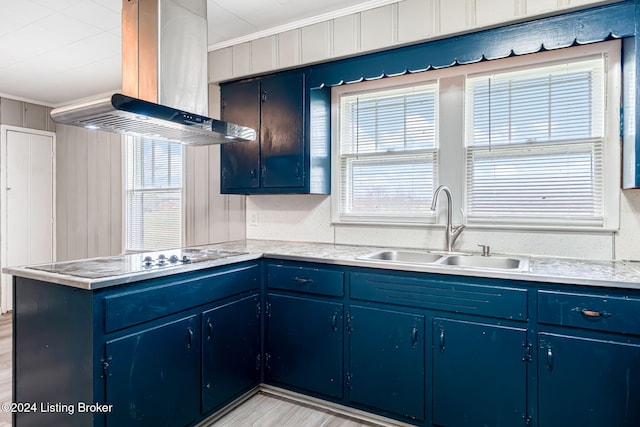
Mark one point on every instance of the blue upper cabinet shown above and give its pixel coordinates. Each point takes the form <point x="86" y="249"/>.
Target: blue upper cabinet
<point x="289" y="156"/>
<point x="240" y="162"/>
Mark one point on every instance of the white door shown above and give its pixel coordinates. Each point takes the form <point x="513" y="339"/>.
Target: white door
<point x="28" y="202"/>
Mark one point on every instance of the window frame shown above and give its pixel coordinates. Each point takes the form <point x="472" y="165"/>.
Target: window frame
<point x="452" y="155"/>
<point x="127" y="140"/>
<point x="611" y="135"/>
<point x="364" y="87"/>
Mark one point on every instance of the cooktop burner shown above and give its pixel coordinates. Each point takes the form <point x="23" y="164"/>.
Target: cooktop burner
<point x="134" y="263"/>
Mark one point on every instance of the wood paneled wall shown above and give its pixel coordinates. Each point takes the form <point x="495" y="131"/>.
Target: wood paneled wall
<point x="26" y="115"/>
<point x="393" y="25"/>
<point x="89" y="193"/>
<point x="210" y="217"/>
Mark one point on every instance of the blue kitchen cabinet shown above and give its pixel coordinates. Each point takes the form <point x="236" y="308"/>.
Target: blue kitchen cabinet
<point x="230" y="351"/>
<point x="138" y="347"/>
<point x="153" y="376"/>
<point x="387" y="361"/>
<point x="428" y="349"/>
<point x="240" y="162"/>
<point x="291" y="154"/>
<point x="178" y="348"/>
<point x="588" y="358"/>
<point x="470" y="372"/>
<point x="588" y="382"/>
<point x="304" y="344"/>
<point x="282" y="149"/>
<point x="479" y="374"/>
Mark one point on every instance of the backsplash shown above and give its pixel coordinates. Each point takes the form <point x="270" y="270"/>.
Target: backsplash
<point x="308" y="218"/>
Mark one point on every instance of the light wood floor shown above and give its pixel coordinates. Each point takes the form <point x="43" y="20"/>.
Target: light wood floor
<point x="264" y="410"/>
<point x="261" y="410"/>
<point x="5" y="367"/>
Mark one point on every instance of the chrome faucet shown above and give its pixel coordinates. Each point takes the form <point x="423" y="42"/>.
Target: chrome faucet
<point x="451" y="233"/>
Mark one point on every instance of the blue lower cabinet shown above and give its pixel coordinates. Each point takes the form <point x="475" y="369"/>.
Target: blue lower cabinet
<point x="425" y="349"/>
<point x="154" y="376"/>
<point x="387" y="361"/>
<point x="230" y="351"/>
<point x="304" y="344"/>
<point x="479" y="375"/>
<point x="588" y="382"/>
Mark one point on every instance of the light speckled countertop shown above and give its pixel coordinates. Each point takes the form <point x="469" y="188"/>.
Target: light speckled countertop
<point x="616" y="274"/>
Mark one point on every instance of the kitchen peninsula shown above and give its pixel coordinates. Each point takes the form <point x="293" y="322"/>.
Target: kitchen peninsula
<point x="412" y="342"/>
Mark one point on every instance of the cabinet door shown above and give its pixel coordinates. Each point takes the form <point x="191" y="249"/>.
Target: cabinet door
<point x="479" y="374"/>
<point x="154" y="376"/>
<point x="230" y="351"/>
<point x="304" y="344"/>
<point x="240" y="161"/>
<point x="387" y="367"/>
<point x="282" y="131"/>
<point x="587" y="382"/>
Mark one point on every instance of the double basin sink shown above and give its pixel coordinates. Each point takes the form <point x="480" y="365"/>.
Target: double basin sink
<point x="508" y="263"/>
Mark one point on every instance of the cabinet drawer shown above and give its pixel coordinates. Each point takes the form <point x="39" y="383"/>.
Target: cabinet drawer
<point x="132" y="307"/>
<point x="305" y="279"/>
<point x="442" y="293"/>
<point x="588" y="311"/>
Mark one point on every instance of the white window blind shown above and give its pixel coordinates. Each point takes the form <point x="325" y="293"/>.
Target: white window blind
<point x="154" y="195"/>
<point x="388" y="148"/>
<point x="535" y="143"/>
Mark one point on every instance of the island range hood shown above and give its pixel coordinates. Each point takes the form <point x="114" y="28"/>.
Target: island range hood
<point x="164" y="79"/>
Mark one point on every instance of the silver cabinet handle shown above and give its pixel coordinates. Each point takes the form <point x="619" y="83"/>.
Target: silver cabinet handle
<point x="189" y="337"/>
<point x="550" y="358"/>
<point x="210" y="330"/>
<point x="302" y="280"/>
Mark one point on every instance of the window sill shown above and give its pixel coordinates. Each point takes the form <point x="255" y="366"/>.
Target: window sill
<point x="486" y="227"/>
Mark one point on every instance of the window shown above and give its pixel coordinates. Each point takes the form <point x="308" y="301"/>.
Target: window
<point x="535" y="144"/>
<point x="154" y="195"/>
<point x="388" y="153"/>
<point x="530" y="141"/>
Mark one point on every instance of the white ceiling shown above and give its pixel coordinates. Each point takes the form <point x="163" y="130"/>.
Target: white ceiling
<point x="55" y="52"/>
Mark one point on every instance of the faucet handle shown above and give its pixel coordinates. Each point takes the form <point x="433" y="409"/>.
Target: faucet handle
<point x="486" y="250"/>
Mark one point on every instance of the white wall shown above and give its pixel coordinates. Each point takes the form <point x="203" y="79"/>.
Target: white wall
<point x="308" y="217"/>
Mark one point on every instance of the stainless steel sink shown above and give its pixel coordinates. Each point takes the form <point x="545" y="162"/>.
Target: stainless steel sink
<point x="511" y="263"/>
<point x="403" y="257"/>
<point x="491" y="262"/>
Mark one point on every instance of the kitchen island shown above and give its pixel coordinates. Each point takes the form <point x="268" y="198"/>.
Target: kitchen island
<point x="411" y="342"/>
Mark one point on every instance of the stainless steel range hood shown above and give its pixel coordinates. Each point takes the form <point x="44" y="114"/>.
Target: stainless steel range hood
<point x="164" y="79"/>
<point x="133" y="116"/>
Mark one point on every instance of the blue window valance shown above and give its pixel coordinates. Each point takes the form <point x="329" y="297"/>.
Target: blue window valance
<point x="617" y="20"/>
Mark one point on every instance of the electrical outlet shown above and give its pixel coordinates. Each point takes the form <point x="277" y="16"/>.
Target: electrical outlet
<point x="253" y="219"/>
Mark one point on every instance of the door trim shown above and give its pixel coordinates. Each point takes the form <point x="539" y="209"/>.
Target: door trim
<point x="5" y="279"/>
